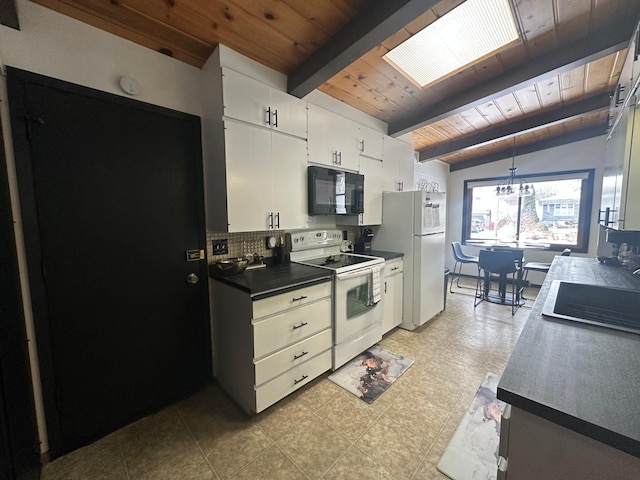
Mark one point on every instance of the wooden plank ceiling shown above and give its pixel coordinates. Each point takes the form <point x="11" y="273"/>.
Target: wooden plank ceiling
<point x="552" y="87"/>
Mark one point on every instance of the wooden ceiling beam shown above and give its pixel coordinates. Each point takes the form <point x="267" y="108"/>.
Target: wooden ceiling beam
<point x="376" y="23"/>
<point x="525" y="125"/>
<point x="585" y="50"/>
<point x="590" y="132"/>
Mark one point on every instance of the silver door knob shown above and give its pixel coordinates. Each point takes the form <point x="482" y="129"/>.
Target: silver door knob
<point x="192" y="278"/>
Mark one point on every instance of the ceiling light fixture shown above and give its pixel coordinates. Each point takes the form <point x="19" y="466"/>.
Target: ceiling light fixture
<point x="513" y="185"/>
<point x="470" y="32"/>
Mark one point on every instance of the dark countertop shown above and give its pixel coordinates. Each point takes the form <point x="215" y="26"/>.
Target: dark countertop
<point x="383" y="254"/>
<point x="274" y="279"/>
<point x="585" y="378"/>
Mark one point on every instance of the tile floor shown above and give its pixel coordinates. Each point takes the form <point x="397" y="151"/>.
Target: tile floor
<point x="321" y="431"/>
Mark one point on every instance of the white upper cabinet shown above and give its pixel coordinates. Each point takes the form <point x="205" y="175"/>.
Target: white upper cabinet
<point x="398" y="165"/>
<point x="290" y="114"/>
<point x="370" y="142"/>
<point x="249" y="166"/>
<point x="254" y="102"/>
<point x="265" y="179"/>
<point x="333" y="140"/>
<point x="373" y="180"/>
<point x="289" y="181"/>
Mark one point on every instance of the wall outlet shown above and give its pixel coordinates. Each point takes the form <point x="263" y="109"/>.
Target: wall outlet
<point x="220" y="246"/>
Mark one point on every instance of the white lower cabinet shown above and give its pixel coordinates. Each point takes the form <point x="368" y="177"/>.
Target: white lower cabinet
<point x="267" y="348"/>
<point x="393" y="289"/>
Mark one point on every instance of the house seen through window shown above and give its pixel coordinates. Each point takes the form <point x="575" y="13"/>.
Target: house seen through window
<point x="557" y="213"/>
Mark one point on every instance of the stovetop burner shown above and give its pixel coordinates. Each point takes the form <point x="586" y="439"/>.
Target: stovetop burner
<point x="338" y="261"/>
<point x="321" y="248"/>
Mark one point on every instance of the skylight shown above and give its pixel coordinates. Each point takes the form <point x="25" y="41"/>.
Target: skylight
<point x="470" y="32"/>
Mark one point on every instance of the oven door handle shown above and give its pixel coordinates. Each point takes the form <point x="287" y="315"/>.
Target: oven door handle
<point x="354" y="274"/>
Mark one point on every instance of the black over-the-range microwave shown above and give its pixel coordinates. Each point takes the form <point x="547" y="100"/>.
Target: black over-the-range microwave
<point x="334" y="192"/>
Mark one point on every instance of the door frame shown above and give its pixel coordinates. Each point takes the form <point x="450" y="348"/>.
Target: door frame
<point x="17" y="79"/>
<point x="19" y="430"/>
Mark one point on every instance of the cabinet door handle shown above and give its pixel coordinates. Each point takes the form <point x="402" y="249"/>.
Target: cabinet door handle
<point x="302" y="324"/>
<point x="271" y="220"/>
<point x="277" y="215"/>
<point x="394" y="268"/>
<point x="619" y="97"/>
<point x="295" y="382"/>
<point x="275" y="118"/>
<point x="297" y="299"/>
<point x="295" y="357"/>
<point x="340" y="158"/>
<point x="335" y="157"/>
<point x="385" y="286"/>
<point x="362" y="145"/>
<point x="269" y="116"/>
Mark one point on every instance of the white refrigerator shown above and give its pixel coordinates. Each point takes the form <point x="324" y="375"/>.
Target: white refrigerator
<point x="413" y="223"/>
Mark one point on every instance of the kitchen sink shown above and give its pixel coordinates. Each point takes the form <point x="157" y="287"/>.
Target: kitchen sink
<point x="615" y="308"/>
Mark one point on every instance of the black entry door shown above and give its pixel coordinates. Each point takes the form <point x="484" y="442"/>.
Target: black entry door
<point x="112" y="199"/>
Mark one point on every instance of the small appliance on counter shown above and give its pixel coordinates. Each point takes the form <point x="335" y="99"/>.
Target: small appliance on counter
<point x="363" y="244"/>
<point x="619" y="247"/>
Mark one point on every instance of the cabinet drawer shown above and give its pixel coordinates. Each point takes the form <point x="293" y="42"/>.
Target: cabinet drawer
<point x="291" y="380"/>
<point x="279" y="362"/>
<point x="289" y="327"/>
<point x="393" y="267"/>
<point x="302" y="296"/>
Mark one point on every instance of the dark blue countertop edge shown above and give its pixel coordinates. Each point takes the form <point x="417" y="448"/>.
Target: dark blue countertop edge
<point x="530" y="386"/>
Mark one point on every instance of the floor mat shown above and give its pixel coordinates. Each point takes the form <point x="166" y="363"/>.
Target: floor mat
<point x="472" y="452"/>
<point x="371" y="373"/>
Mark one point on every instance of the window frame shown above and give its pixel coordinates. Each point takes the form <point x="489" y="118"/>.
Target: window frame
<point x="585" y="206"/>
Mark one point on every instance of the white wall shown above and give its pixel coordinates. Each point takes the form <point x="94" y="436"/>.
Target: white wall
<point x="574" y="156"/>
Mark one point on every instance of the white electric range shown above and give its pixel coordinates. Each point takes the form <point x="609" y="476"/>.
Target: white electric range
<point x="357" y="290"/>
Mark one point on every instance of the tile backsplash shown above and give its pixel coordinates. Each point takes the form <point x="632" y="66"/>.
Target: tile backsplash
<point x="242" y="243"/>
<point x="256" y="242"/>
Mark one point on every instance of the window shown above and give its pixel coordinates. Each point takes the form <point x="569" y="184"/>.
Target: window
<point x="558" y="212"/>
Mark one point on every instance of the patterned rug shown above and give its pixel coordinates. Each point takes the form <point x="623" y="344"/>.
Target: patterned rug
<point x="371" y="373"/>
<point x="472" y="452"/>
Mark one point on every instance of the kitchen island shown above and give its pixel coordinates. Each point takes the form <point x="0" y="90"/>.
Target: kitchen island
<point x="573" y="390"/>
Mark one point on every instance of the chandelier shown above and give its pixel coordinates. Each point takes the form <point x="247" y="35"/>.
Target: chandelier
<point x="512" y="185"/>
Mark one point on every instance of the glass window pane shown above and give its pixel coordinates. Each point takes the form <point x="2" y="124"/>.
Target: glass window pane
<point x="550" y="215"/>
<point x="493" y="218"/>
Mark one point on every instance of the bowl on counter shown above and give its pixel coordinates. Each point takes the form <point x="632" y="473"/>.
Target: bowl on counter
<point x="230" y="266"/>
